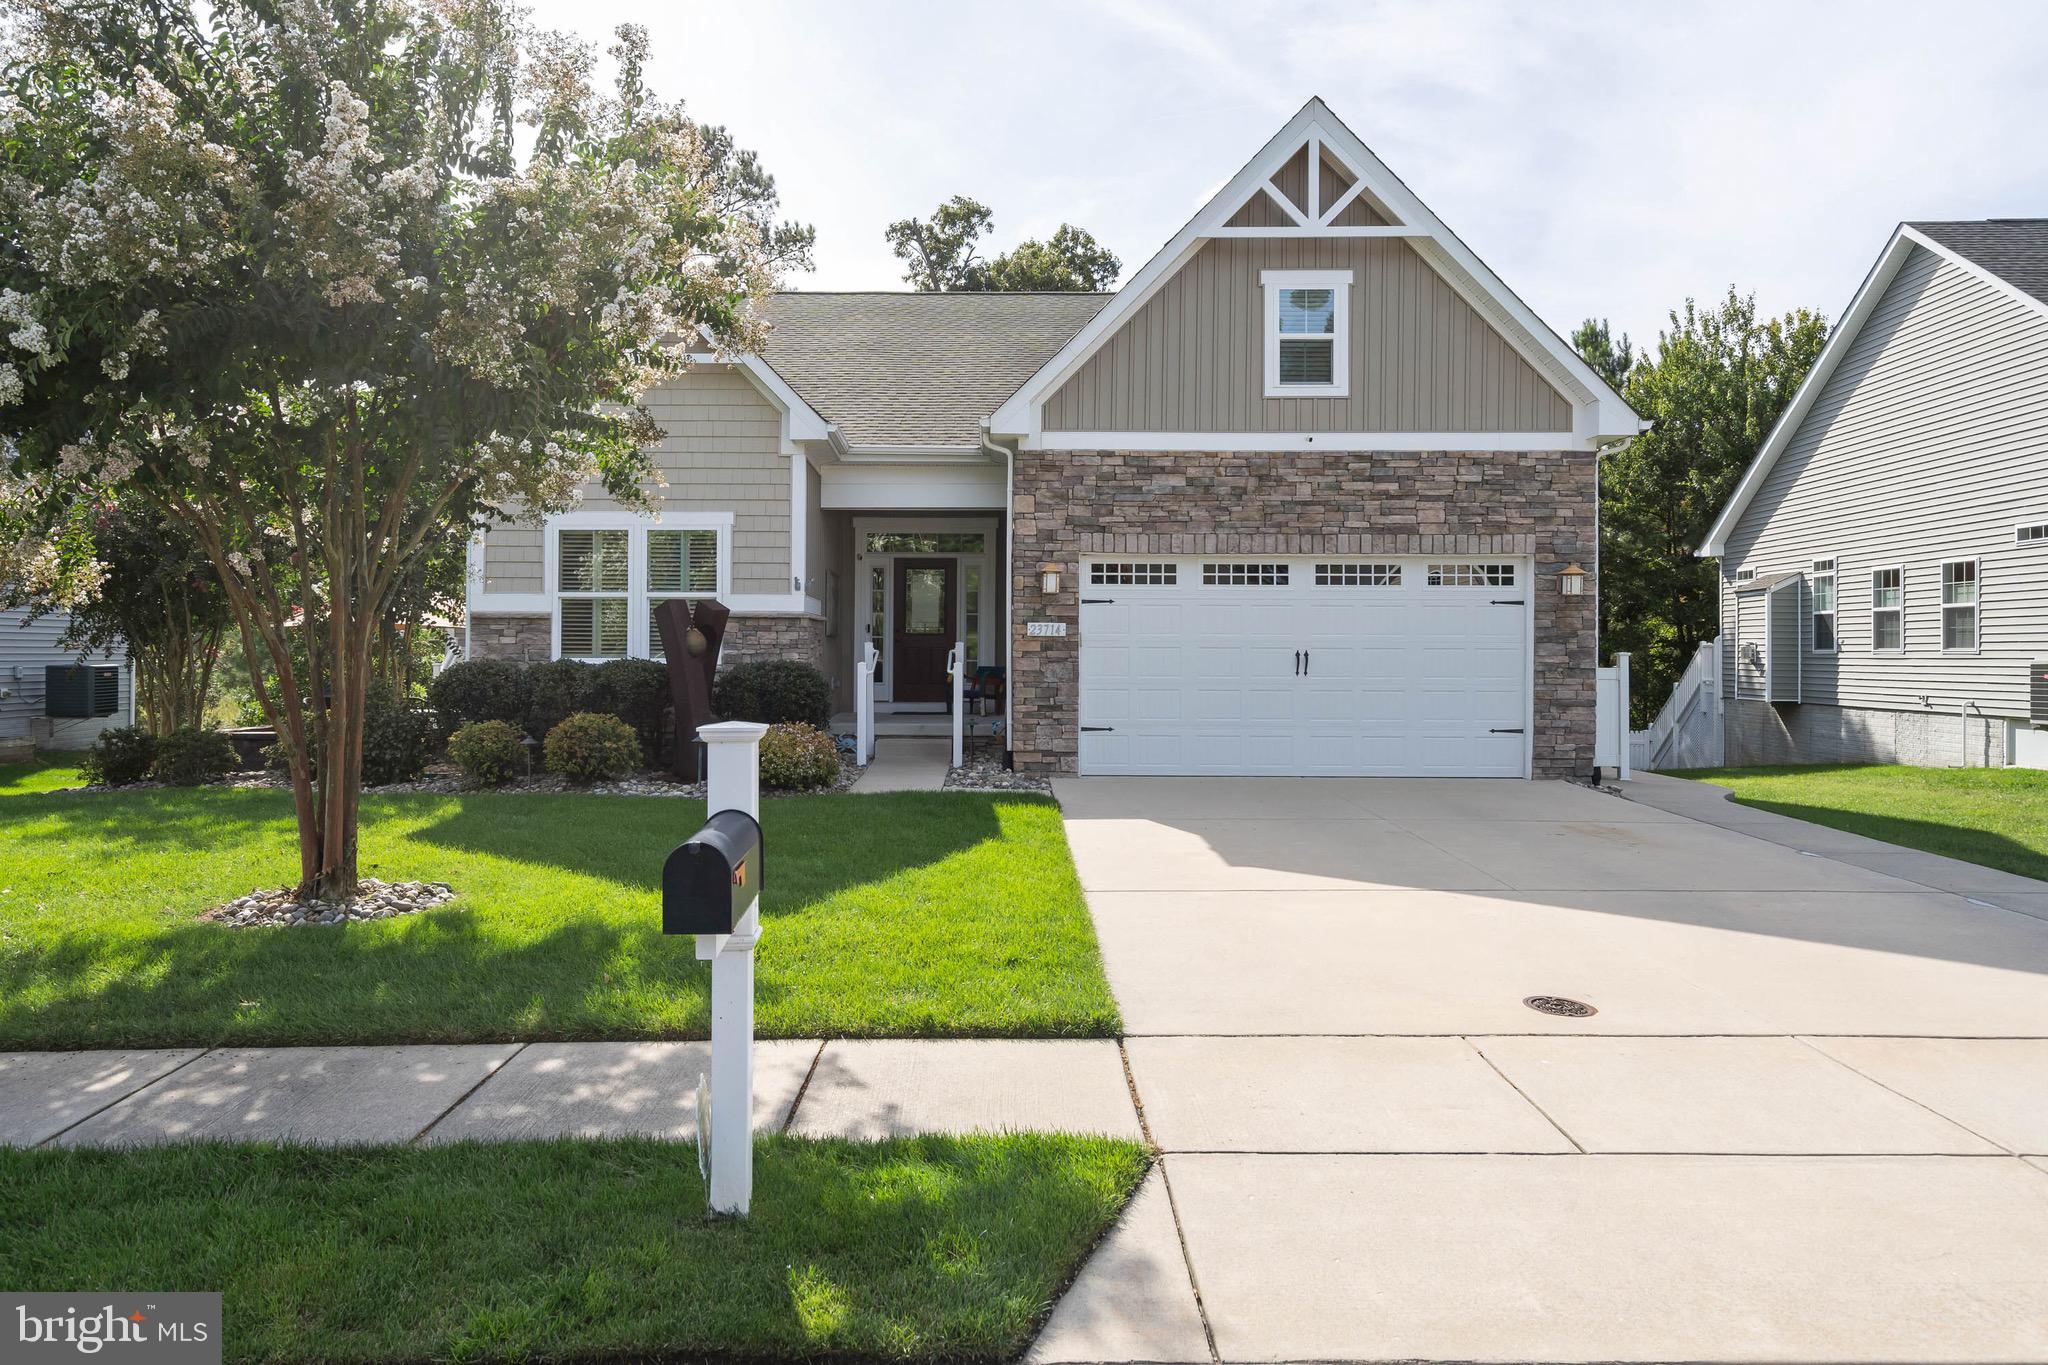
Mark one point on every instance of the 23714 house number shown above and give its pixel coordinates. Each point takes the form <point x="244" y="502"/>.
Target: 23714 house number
<point x="1045" y="627"/>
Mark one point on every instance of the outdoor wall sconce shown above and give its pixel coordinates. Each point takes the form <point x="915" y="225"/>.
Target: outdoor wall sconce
<point x="1049" y="579"/>
<point x="1571" y="580"/>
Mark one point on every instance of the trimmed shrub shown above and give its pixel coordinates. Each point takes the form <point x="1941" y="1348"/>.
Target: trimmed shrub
<point x="478" y="689"/>
<point x="798" y="758"/>
<point x="397" y="740"/>
<point x="190" y="758"/>
<point x="637" y="692"/>
<point x="774" y="691"/>
<point x="589" y="747"/>
<point x="556" y="691"/>
<point x="488" y="752"/>
<point x="119" y="756"/>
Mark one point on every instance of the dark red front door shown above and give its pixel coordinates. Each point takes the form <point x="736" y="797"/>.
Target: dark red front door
<point x="925" y="603"/>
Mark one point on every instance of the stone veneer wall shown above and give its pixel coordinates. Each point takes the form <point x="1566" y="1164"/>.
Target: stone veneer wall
<point x="522" y="639"/>
<point x="530" y="639"/>
<point x="1544" y="504"/>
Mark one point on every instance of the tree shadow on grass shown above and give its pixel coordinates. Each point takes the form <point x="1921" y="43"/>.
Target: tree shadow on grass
<point x="1981" y="846"/>
<point x="481" y="970"/>
<point x="440" y="977"/>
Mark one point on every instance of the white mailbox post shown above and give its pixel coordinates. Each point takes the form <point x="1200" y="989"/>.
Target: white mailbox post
<point x="732" y="782"/>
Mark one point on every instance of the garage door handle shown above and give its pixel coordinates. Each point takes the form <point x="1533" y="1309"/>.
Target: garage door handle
<point x="1096" y="729"/>
<point x="1297" y="663"/>
<point x="1304" y="663"/>
<point x="1097" y="601"/>
<point x="1509" y="602"/>
<point x="1516" y="731"/>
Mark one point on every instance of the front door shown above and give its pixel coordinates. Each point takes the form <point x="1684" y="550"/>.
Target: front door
<point x="924" y="627"/>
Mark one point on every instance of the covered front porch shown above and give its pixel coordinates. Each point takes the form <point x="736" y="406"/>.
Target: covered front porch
<point x="917" y="585"/>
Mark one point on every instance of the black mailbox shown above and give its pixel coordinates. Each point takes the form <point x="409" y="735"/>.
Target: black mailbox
<point x="710" y="882"/>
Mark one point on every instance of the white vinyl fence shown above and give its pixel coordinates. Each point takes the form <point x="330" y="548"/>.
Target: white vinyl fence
<point x="1610" y="717"/>
<point x="1687" y="732"/>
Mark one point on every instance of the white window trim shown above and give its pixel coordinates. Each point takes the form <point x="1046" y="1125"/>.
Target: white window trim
<point x="991" y="651"/>
<point x="1900" y="570"/>
<point x="638" y="645"/>
<point x="1742" y="575"/>
<point x="1272" y="282"/>
<point x="1834" y="613"/>
<point x="1975" y="604"/>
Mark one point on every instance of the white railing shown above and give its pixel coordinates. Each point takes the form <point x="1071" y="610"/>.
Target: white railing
<point x="864" y="704"/>
<point x="1687" y="731"/>
<point x="1610" y="717"/>
<point x="956" y="675"/>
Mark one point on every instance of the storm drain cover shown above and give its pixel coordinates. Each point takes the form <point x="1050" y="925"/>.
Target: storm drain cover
<point x="1557" y="1004"/>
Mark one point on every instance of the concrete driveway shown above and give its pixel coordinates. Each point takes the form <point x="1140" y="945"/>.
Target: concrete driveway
<point x="1809" y="1120"/>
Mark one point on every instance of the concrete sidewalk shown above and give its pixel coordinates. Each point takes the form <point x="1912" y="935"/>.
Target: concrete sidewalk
<point x="499" y="1092"/>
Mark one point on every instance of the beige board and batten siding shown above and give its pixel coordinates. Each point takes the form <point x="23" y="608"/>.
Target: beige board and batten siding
<point x="721" y="452"/>
<point x="1928" y="443"/>
<point x="1192" y="359"/>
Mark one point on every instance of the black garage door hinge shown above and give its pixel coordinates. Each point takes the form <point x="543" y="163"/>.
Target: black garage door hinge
<point x="1516" y="731"/>
<point x="1509" y="602"/>
<point x="1097" y="601"/>
<point x="1086" y="729"/>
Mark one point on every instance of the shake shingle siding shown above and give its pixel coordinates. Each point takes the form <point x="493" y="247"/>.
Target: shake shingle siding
<point x="721" y="453"/>
<point x="1929" y="443"/>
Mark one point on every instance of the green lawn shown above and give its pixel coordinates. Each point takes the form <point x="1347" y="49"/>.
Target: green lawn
<point x="902" y="914"/>
<point x="1994" y="816"/>
<point x="42" y="775"/>
<point x="924" y="1248"/>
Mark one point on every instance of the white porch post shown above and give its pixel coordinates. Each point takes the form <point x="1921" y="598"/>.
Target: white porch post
<point x="956" y="669"/>
<point x="732" y="782"/>
<point x="864" y="703"/>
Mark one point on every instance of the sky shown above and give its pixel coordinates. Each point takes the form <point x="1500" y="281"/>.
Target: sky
<point x="1605" y="159"/>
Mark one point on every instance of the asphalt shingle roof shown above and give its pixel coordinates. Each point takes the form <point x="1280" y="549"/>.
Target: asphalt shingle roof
<point x="2014" y="249"/>
<point x="908" y="369"/>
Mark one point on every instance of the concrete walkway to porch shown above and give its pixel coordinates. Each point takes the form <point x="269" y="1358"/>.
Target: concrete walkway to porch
<point x="905" y="764"/>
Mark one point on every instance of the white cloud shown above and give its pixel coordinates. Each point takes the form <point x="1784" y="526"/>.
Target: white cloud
<point x="1607" y="158"/>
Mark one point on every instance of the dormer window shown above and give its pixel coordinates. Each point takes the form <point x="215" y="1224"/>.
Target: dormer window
<point x="1308" y="333"/>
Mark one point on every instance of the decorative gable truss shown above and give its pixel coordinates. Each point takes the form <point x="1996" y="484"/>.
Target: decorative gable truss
<point x="1314" y="193"/>
<point x="1315" y="180"/>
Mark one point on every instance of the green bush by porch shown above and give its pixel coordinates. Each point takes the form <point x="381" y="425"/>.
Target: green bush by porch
<point x="916" y="1249"/>
<point x="906" y="914"/>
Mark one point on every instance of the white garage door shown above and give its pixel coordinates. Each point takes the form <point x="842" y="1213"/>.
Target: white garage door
<point x="1325" y="667"/>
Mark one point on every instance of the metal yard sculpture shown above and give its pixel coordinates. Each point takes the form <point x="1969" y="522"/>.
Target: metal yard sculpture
<point x="690" y="636"/>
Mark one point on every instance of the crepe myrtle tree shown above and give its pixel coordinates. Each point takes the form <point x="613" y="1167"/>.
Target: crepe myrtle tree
<point x="329" y="282"/>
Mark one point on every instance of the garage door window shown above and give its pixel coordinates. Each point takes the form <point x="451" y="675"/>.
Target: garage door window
<point x="1153" y="575"/>
<point x="1244" y="575"/>
<point x="1460" y="575"/>
<point x="1358" y="575"/>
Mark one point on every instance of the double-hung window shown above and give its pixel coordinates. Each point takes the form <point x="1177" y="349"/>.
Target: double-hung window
<point x="594" y="580"/>
<point x="679" y="564"/>
<point x="610" y="571"/>
<point x="1888" y="610"/>
<point x="1959" y="605"/>
<point x="1307" y="333"/>
<point x="1823" y="589"/>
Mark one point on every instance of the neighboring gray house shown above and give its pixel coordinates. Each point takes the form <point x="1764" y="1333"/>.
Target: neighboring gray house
<point x="1884" y="561"/>
<point x="1314" y="493"/>
<point x="27" y="649"/>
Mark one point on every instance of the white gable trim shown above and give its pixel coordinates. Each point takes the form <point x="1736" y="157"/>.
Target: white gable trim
<point x="1904" y="238"/>
<point x="801" y="421"/>
<point x="1603" y="415"/>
